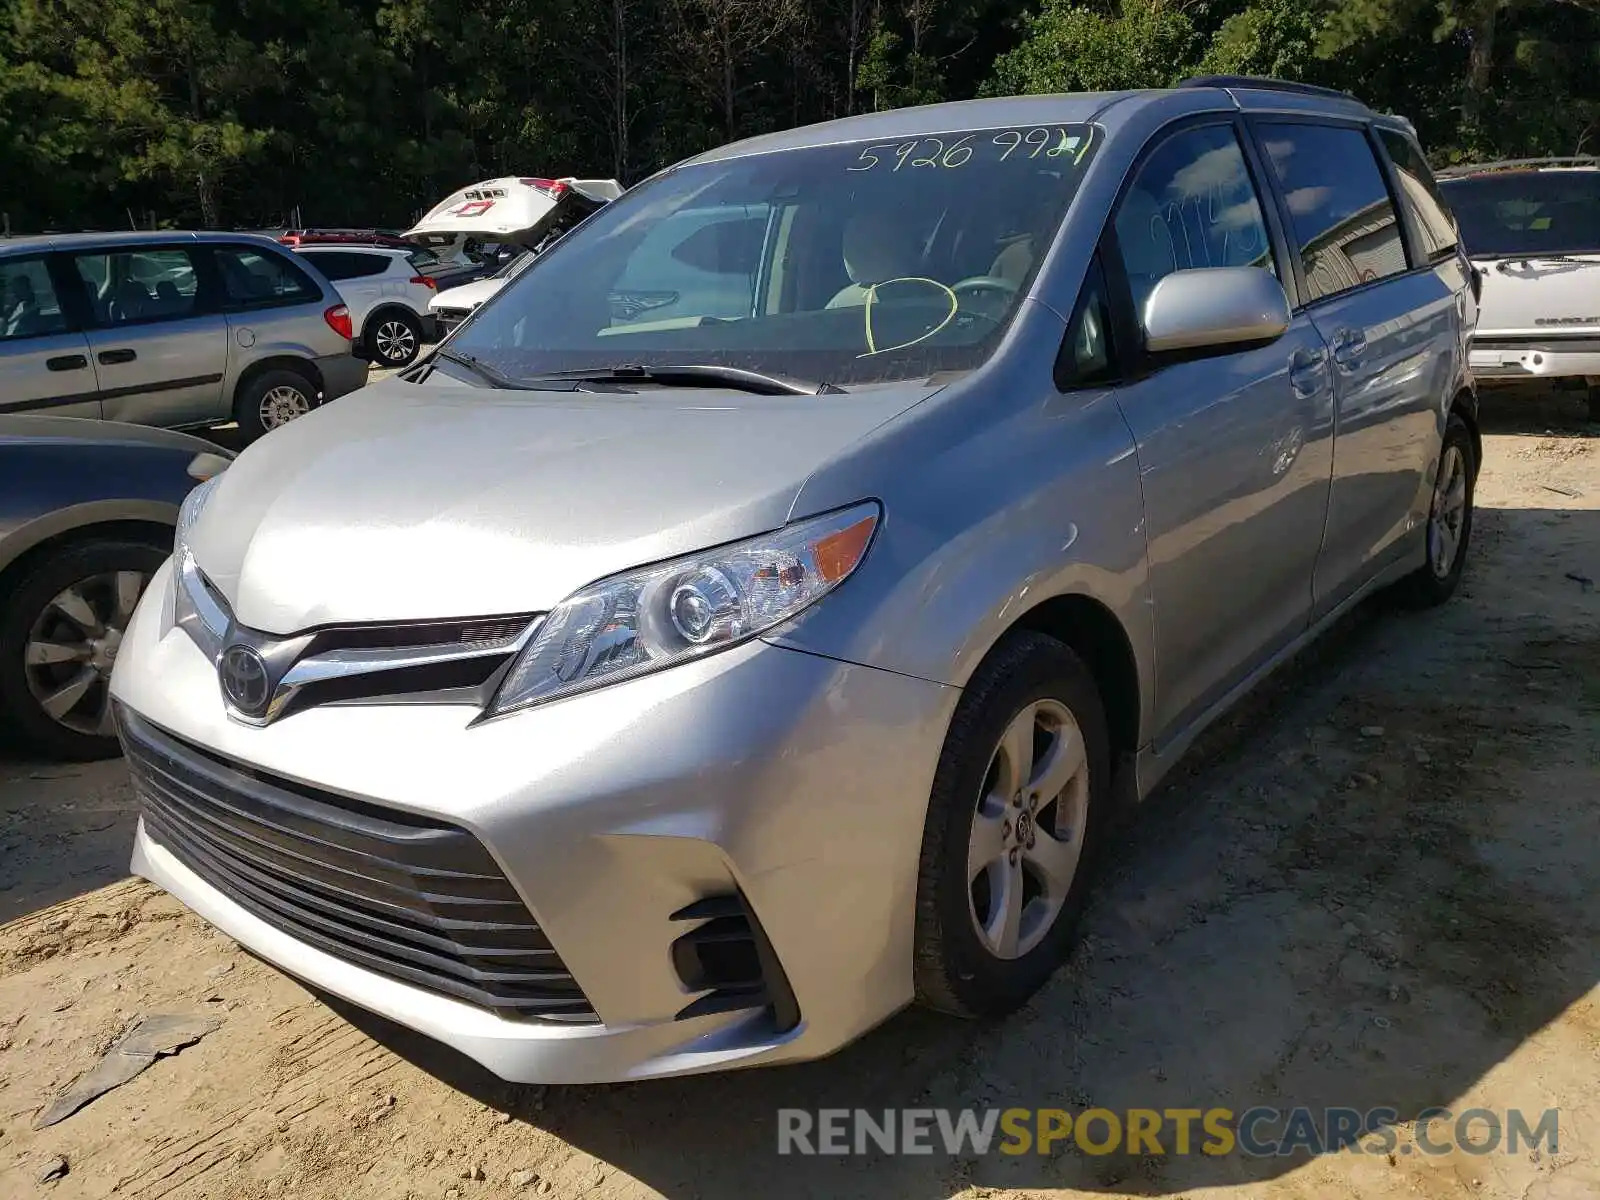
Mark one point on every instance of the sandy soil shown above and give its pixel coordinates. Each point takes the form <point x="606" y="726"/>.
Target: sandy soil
<point x="1376" y="885"/>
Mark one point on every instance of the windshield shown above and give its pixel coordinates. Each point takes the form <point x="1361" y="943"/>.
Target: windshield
<point x="1527" y="212"/>
<point x="848" y="263"/>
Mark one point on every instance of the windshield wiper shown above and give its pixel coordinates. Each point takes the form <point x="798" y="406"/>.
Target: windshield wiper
<point x="698" y="375"/>
<point x="1501" y="264"/>
<point x="498" y="379"/>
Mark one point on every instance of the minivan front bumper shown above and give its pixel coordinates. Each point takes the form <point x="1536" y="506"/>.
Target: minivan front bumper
<point x="761" y="784"/>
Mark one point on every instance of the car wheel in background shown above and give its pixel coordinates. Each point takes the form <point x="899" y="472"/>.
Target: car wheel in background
<point x="394" y="339"/>
<point x="59" y="635"/>
<point x="271" y="399"/>
<point x="1020" y="796"/>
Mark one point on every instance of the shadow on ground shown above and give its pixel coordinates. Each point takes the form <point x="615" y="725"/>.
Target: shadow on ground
<point x="65" y="829"/>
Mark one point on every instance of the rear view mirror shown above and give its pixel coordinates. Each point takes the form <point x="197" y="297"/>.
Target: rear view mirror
<point x="1214" y="308"/>
<point x="724" y="248"/>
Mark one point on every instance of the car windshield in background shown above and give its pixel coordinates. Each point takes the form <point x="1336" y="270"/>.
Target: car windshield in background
<point x="420" y="258"/>
<point x="849" y="263"/>
<point x="1527" y="212"/>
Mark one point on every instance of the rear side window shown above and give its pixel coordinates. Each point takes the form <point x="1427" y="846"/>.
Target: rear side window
<point x="1339" y="206"/>
<point x="1420" y="194"/>
<point x="255" y="278"/>
<point x="28" y="304"/>
<point x="128" y="287"/>
<point x="1192" y="204"/>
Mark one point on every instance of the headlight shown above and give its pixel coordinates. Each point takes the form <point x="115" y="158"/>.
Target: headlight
<point x="188" y="513"/>
<point x="629" y="625"/>
<point x="193" y="610"/>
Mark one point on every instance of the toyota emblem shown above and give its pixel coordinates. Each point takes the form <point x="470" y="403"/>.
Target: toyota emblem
<point x="245" y="682"/>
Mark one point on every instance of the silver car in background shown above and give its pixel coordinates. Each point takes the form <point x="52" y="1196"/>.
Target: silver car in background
<point x="179" y="330"/>
<point x="619" y="694"/>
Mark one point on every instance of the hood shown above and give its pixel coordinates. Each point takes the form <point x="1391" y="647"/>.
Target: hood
<point x="404" y="502"/>
<point x="91" y="429"/>
<point x="468" y="295"/>
<point x="513" y="209"/>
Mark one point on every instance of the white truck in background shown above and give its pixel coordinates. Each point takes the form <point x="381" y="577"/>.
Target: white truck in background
<point x="1532" y="230"/>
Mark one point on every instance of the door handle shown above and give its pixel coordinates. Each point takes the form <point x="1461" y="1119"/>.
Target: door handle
<point x="111" y="357"/>
<point x="1307" y="372"/>
<point x="66" y="362"/>
<point x="1348" y="345"/>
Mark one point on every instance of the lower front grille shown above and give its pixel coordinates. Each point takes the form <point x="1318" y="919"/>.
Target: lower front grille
<point x="413" y="899"/>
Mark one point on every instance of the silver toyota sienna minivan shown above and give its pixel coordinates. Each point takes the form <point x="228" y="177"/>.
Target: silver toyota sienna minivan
<point x="726" y="639"/>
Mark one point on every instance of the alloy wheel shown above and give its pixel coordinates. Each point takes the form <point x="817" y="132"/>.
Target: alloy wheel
<point x="1448" y="515"/>
<point x="395" y="342"/>
<point x="283" y="404"/>
<point x="1028" y="829"/>
<point x="73" y="646"/>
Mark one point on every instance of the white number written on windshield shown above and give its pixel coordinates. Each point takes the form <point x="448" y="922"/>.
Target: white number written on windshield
<point x="1068" y="142"/>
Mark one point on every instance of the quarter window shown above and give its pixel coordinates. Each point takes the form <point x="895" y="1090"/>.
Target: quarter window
<point x="126" y="287"/>
<point x="1419" y="193"/>
<point x="1192" y="204"/>
<point x="253" y="278"/>
<point x="1339" y="206"/>
<point x="28" y="303"/>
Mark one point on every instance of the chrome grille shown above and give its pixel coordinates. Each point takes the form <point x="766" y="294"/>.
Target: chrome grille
<point x="410" y="898"/>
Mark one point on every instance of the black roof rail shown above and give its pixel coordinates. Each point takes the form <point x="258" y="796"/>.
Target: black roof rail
<point x="1260" y="84"/>
<point x="1512" y="164"/>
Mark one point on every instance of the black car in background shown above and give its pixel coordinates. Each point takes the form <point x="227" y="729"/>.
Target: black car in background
<point x="87" y="514"/>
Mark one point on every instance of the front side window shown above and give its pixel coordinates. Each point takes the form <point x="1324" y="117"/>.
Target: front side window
<point x="1419" y="192"/>
<point x="1527" y="213"/>
<point x="126" y="287"/>
<point x="848" y="263"/>
<point x="1191" y="205"/>
<point x="1338" y="204"/>
<point x="28" y="304"/>
<point x="255" y="278"/>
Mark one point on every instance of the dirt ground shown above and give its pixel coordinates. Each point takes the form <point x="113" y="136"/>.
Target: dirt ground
<point x="1376" y="885"/>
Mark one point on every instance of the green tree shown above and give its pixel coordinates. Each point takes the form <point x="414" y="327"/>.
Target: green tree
<point x="1069" y="47"/>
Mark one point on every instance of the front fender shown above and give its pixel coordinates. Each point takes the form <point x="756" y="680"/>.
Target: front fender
<point x="1041" y="504"/>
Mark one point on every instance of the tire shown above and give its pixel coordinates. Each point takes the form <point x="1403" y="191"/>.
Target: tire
<point x="98" y="574"/>
<point x="1594" y="404"/>
<point x="264" y="401"/>
<point x="957" y="968"/>
<point x="393" y="339"/>
<point x="1436" y="581"/>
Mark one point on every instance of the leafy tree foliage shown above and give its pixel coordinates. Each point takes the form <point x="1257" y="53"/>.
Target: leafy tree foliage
<point x="257" y="113"/>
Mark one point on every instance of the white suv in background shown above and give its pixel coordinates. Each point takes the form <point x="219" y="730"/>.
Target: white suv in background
<point x="388" y="296"/>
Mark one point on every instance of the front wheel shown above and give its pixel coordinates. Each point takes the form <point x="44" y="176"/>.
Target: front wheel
<point x="59" y="635"/>
<point x="1449" y="521"/>
<point x="1019" y="798"/>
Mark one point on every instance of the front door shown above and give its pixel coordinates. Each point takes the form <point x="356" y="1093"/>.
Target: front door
<point x="45" y="365"/>
<point x="1235" y="451"/>
<point x="1393" y="333"/>
<point x="159" y="342"/>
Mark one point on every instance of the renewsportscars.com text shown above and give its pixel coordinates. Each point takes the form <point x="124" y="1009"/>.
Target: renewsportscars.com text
<point x="1257" y="1132"/>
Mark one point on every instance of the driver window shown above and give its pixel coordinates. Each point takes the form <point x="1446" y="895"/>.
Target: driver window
<point x="1191" y="205"/>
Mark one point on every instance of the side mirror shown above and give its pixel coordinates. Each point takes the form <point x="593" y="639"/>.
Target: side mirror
<point x="1214" y="308"/>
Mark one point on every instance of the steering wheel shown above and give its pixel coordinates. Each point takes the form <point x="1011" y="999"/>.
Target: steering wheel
<point x="980" y="285"/>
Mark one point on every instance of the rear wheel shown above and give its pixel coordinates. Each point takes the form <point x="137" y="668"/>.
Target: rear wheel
<point x="1019" y="799"/>
<point x="271" y="399"/>
<point x="1449" y="521"/>
<point x="59" y="637"/>
<point x="394" y="339"/>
